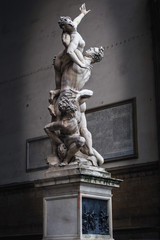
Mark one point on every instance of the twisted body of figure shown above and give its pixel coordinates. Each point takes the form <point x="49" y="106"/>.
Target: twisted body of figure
<point x="68" y="129"/>
<point x="65" y="130"/>
<point x="72" y="80"/>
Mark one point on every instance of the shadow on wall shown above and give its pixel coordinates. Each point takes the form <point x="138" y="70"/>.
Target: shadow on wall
<point x="17" y="205"/>
<point x="14" y="28"/>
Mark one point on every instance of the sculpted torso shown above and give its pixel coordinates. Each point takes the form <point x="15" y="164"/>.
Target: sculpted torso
<point x="71" y="74"/>
<point x="74" y="44"/>
<point x="74" y="77"/>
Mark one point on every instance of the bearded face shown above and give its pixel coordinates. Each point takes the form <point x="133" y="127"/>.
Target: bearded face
<point x="95" y="53"/>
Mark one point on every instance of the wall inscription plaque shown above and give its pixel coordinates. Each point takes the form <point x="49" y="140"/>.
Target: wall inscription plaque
<point x="37" y="149"/>
<point x="113" y="129"/>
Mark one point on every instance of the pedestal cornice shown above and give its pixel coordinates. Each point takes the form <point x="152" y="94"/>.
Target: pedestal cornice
<point x="75" y="174"/>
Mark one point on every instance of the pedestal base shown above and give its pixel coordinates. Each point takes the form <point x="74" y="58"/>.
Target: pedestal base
<point x="81" y="205"/>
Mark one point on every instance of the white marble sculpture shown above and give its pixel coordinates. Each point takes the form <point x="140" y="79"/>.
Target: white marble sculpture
<point x="71" y="141"/>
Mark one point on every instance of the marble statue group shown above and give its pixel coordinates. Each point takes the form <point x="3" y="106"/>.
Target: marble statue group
<point x="71" y="140"/>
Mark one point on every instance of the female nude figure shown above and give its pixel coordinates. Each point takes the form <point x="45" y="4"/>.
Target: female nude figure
<point x="73" y="43"/>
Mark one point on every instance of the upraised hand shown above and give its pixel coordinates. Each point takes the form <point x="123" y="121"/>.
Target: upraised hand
<point x="83" y="9"/>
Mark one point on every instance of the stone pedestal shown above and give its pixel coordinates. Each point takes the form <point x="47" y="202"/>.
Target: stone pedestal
<point x="80" y="207"/>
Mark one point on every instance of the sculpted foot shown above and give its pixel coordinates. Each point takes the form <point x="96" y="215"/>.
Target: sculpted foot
<point x="52" y="160"/>
<point x="62" y="164"/>
<point x="90" y="152"/>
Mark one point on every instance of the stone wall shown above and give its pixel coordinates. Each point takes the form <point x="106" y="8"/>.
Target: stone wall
<point x="30" y="37"/>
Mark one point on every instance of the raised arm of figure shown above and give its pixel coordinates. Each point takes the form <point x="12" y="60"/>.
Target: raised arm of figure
<point x="83" y="10"/>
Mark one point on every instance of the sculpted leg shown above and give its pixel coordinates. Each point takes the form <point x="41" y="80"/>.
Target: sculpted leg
<point x="52" y="159"/>
<point x="88" y="137"/>
<point x="50" y="130"/>
<point x="86" y="134"/>
<point x="53" y="95"/>
<point x="58" y="79"/>
<point x="57" y="62"/>
<point x="77" y="143"/>
<point x="100" y="159"/>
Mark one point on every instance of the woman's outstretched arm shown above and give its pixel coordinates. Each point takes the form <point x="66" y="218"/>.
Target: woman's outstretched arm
<point x="83" y="10"/>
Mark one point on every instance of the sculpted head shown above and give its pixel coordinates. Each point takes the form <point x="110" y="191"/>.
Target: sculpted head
<point x="67" y="103"/>
<point x="96" y="53"/>
<point x="66" y="23"/>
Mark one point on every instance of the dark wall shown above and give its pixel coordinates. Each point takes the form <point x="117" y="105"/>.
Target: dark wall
<point x="30" y="37"/>
<point x="137" y="203"/>
<point x="155" y="20"/>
